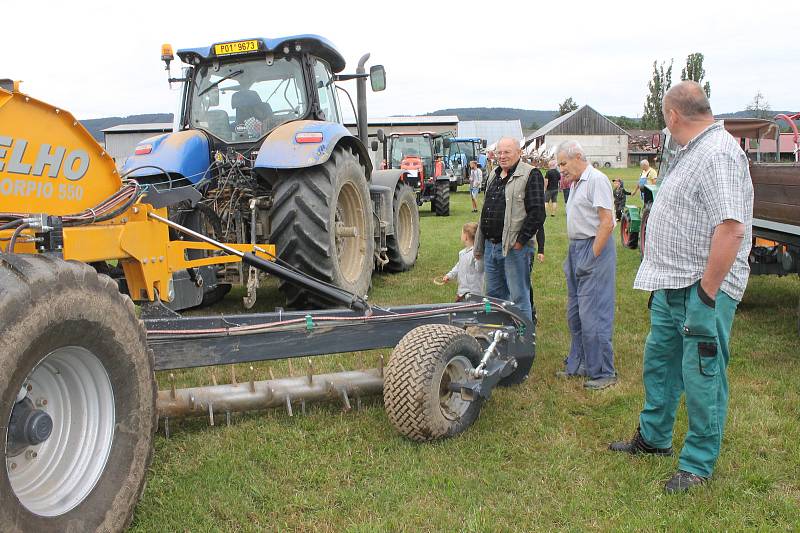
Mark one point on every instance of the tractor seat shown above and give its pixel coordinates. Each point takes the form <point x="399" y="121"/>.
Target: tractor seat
<point x="219" y="123"/>
<point x="248" y="104"/>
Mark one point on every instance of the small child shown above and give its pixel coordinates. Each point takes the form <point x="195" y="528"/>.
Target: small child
<point x="468" y="270"/>
<point x="619" y="197"/>
<point x="475" y="179"/>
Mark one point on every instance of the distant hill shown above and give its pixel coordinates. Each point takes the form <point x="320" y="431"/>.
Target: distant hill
<point x="97" y="125"/>
<point x="527" y="117"/>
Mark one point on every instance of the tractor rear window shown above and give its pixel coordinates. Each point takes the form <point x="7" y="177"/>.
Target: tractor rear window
<point x="244" y="100"/>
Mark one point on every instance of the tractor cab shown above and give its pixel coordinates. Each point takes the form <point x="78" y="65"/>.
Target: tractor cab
<point x="461" y="152"/>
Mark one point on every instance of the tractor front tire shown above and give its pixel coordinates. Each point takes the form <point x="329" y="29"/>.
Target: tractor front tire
<point x="74" y="350"/>
<point x="322" y="224"/>
<point x="440" y="204"/>
<point x="416" y="391"/>
<point x="403" y="246"/>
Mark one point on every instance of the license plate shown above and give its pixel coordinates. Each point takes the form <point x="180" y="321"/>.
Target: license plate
<point x="238" y="47"/>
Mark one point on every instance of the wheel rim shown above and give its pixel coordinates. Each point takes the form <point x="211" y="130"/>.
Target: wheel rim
<point x="405" y="236"/>
<point x="73" y="387"/>
<point x="350" y="232"/>
<point x="451" y="404"/>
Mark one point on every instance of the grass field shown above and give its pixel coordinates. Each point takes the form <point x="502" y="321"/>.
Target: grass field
<point x="535" y="460"/>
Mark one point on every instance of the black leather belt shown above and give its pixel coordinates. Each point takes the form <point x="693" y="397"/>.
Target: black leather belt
<point x="495" y="241"/>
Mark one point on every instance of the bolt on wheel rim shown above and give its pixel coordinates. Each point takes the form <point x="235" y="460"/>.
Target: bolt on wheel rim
<point x="451" y="404"/>
<point x="55" y="476"/>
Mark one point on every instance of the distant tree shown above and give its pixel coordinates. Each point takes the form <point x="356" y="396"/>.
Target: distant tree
<point x="759" y="107"/>
<point x="567" y="106"/>
<point x="652" y="118"/>
<point x="625" y="122"/>
<point x="534" y="126"/>
<point x="694" y="71"/>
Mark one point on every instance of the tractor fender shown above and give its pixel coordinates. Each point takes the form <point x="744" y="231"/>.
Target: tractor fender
<point x="184" y="153"/>
<point x="281" y="150"/>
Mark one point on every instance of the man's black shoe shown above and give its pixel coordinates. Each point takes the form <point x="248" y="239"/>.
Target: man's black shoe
<point x="683" y="481"/>
<point x="638" y="445"/>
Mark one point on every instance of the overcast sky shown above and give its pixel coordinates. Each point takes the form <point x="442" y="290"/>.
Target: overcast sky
<point x="100" y="59"/>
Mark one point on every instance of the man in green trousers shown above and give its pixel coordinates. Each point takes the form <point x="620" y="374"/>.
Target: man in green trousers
<point x="695" y="266"/>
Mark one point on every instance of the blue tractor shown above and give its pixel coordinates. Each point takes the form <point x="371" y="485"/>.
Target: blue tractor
<point x="258" y="132"/>
<point x="461" y="151"/>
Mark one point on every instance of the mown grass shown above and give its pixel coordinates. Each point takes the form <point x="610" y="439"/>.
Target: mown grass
<point x="535" y="460"/>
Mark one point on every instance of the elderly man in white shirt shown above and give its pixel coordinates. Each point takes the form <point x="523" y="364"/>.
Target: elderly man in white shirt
<point x="590" y="269"/>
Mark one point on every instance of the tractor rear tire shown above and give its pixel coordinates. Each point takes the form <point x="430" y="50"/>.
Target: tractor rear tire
<point x="73" y="347"/>
<point x="426" y="360"/>
<point x="403" y="246"/>
<point x="629" y="239"/>
<point x="310" y="204"/>
<point x="440" y="204"/>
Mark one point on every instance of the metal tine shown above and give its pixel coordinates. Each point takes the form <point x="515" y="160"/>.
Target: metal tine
<point x="173" y="393"/>
<point x="271" y="375"/>
<point x="228" y="418"/>
<point x="233" y="375"/>
<point x="380" y="366"/>
<point x="210" y="413"/>
<point x="166" y="427"/>
<point x="291" y="369"/>
<point x="346" y="400"/>
<point x="303" y="406"/>
<point x="289" y="405"/>
<point x="252" y="380"/>
<point x="214" y="377"/>
<point x="310" y="374"/>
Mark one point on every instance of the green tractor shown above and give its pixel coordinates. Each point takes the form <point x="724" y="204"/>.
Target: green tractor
<point x="633" y="224"/>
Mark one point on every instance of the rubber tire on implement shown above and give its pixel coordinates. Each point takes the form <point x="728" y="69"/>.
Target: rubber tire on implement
<point x="440" y="203"/>
<point x="403" y="246"/>
<point x="306" y="205"/>
<point x="629" y="239"/>
<point x="413" y="377"/>
<point x="49" y="305"/>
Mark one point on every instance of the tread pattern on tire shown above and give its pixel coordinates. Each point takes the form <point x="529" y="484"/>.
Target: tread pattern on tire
<point x="299" y="226"/>
<point x="408" y="374"/>
<point x="440" y="203"/>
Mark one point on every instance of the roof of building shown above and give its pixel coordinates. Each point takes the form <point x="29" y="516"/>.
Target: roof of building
<point x="408" y="120"/>
<point x="140" y="128"/>
<point x="491" y="130"/>
<point x="583" y="121"/>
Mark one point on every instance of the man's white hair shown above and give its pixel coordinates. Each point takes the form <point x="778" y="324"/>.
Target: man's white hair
<point x="644" y="162"/>
<point x="512" y="140"/>
<point x="572" y="149"/>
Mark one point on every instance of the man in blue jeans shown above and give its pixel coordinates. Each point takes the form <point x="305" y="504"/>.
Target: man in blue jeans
<point x="590" y="269"/>
<point x="695" y="266"/>
<point x="513" y="212"/>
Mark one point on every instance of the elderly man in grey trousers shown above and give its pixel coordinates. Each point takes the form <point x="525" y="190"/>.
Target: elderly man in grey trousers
<point x="590" y="269"/>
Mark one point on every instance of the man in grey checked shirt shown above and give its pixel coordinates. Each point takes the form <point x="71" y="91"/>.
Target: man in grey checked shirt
<point x="695" y="265"/>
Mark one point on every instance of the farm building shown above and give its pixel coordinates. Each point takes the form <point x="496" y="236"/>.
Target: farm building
<point x="605" y="143"/>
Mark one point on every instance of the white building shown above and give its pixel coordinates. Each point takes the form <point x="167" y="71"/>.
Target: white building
<point x="491" y="130"/>
<point x="605" y="143"/>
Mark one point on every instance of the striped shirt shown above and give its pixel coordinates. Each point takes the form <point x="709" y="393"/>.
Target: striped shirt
<point x="707" y="183"/>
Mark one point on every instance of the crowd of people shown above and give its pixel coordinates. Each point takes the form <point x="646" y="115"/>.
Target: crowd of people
<point x="695" y="269"/>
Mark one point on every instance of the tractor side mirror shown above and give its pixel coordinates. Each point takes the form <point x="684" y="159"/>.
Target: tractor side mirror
<point x="483" y="143"/>
<point x="374" y="146"/>
<point x="377" y="77"/>
<point x="381" y="136"/>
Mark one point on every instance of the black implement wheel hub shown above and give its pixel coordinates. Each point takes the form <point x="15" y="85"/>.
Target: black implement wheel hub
<point x="28" y="426"/>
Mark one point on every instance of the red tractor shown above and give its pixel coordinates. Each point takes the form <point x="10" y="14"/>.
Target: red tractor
<point x="420" y="155"/>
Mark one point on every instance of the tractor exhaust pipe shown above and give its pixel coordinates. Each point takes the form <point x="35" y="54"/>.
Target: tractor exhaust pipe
<point x="361" y="100"/>
<point x="259" y="395"/>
